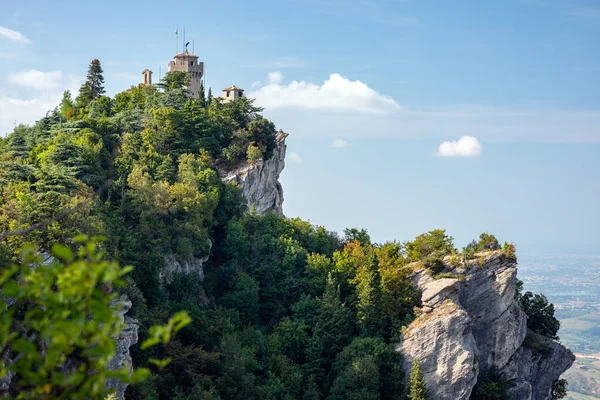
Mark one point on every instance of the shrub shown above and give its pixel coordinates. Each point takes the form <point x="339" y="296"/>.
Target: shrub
<point x="509" y="251"/>
<point x="559" y="389"/>
<point x="487" y="241"/>
<point x="434" y="262"/>
<point x="253" y="153"/>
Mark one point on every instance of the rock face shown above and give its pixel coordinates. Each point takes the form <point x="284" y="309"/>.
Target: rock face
<point x="127" y="338"/>
<point x="260" y="183"/>
<point x="193" y="265"/>
<point x="474" y="323"/>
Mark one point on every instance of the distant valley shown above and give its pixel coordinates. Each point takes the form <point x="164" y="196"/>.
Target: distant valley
<point x="572" y="283"/>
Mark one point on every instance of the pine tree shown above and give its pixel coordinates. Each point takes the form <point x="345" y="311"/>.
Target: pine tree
<point x="417" y="388"/>
<point x="93" y="87"/>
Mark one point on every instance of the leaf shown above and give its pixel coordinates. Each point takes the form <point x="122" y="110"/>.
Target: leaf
<point x="62" y="252"/>
<point x="11" y="289"/>
<point x="23" y="346"/>
<point x="160" y="363"/>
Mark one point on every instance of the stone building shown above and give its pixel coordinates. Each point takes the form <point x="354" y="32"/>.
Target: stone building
<point x="147" y="74"/>
<point x="188" y="62"/>
<point x="231" y="93"/>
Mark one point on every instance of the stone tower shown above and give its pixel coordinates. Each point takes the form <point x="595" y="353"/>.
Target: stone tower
<point x="147" y="74"/>
<point x="231" y="93"/>
<point x="188" y="62"/>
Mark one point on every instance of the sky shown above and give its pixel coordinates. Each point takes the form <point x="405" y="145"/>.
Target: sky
<point x="404" y="115"/>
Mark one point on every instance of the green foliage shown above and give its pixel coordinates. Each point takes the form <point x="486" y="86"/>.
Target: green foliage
<point x="60" y="322"/>
<point x="93" y="87"/>
<point x="490" y="385"/>
<point x="175" y="80"/>
<point x="540" y="315"/>
<point x="253" y="153"/>
<point x="487" y="241"/>
<point x="278" y="308"/>
<point x="559" y="389"/>
<point x="509" y="251"/>
<point x="434" y="242"/>
<point x="417" y="390"/>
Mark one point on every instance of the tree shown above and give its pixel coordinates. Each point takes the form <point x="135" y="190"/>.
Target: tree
<point x="559" y="389"/>
<point x="175" y="80"/>
<point x="67" y="105"/>
<point x="209" y="98"/>
<point x="417" y="387"/>
<point x="202" y="95"/>
<point x="435" y="241"/>
<point x="93" y="87"/>
<point x="540" y="315"/>
<point x="59" y="324"/>
<point x="352" y="234"/>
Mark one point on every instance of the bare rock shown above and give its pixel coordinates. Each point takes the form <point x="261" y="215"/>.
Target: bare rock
<point x="259" y="183"/>
<point x="127" y="338"/>
<point x="443" y="342"/>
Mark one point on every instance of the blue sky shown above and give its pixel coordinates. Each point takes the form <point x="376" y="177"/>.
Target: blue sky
<point x="369" y="91"/>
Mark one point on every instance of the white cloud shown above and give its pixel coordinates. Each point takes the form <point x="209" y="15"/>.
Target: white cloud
<point x="14" y="107"/>
<point x="335" y="94"/>
<point x="255" y="84"/>
<point x="13" y="35"/>
<point x="37" y="79"/>
<point x="339" y="143"/>
<point x="465" y="146"/>
<point x="275" y="78"/>
<point x="295" y="157"/>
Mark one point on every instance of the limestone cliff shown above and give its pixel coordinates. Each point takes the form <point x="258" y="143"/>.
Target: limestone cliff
<point x="259" y="183"/>
<point x="471" y="322"/>
<point x="127" y="338"/>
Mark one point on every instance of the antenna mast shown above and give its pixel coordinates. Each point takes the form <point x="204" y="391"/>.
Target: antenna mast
<point x="177" y="41"/>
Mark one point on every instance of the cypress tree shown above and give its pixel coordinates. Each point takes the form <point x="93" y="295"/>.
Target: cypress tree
<point x="209" y="98"/>
<point x="201" y="95"/>
<point x="417" y="388"/>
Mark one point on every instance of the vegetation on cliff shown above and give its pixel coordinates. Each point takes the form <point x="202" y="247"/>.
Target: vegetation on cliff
<point x="283" y="309"/>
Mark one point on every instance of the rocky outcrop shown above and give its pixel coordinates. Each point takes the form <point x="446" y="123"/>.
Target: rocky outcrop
<point x="471" y="322"/>
<point x="531" y="371"/>
<point x="259" y="183"/>
<point x="189" y="266"/>
<point x="127" y="338"/>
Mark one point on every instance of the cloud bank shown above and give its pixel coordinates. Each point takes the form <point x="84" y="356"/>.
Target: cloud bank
<point x="335" y="94"/>
<point x="465" y="146"/>
<point x="43" y="91"/>
<point x="35" y="79"/>
<point x="339" y="107"/>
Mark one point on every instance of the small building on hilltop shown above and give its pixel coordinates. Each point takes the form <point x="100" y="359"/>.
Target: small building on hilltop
<point x="231" y="93"/>
<point x="188" y="62"/>
<point x="147" y="74"/>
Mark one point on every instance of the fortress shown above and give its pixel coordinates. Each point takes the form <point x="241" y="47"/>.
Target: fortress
<point x="188" y="62"/>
